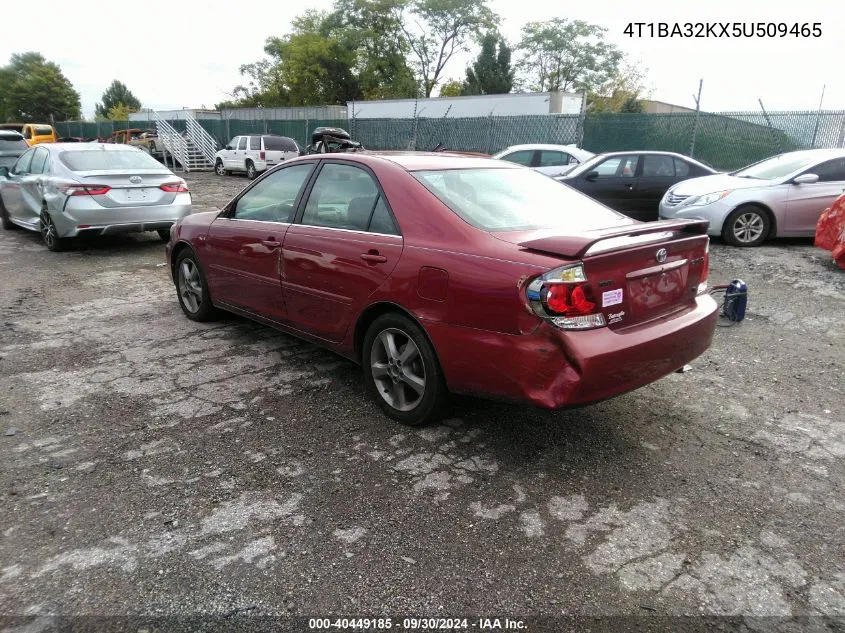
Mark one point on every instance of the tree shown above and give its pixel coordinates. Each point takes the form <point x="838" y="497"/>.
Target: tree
<point x="33" y="89"/>
<point x="562" y="55"/>
<point x="491" y="73"/>
<point x="452" y="88"/>
<point x="116" y="94"/>
<point x="622" y="92"/>
<point x="119" y="112"/>
<point x="441" y="28"/>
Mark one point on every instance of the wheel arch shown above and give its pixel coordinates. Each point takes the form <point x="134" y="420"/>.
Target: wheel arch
<point x="773" y="223"/>
<point x="374" y="311"/>
<point x="174" y="255"/>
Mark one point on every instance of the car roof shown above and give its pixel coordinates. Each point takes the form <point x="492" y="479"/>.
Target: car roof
<point x="11" y="133"/>
<point x="550" y="146"/>
<point x="415" y="161"/>
<point x="89" y="147"/>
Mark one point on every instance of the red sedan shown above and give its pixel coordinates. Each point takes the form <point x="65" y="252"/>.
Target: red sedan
<point x="441" y="273"/>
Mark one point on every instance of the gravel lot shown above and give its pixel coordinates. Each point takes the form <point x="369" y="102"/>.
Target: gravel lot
<point x="152" y="465"/>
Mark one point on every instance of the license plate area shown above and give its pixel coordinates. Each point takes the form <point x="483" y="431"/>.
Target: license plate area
<point x="657" y="292"/>
<point x="136" y="194"/>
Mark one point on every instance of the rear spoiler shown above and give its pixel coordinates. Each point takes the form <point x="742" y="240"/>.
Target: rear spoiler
<point x="576" y="246"/>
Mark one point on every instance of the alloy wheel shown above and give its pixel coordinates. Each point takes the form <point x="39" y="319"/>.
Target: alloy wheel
<point x="190" y="286"/>
<point x="48" y="231"/>
<point x="221" y="171"/>
<point x="748" y="227"/>
<point x="398" y="369"/>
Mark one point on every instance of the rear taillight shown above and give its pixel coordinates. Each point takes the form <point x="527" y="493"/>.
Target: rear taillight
<point x="174" y="187"/>
<point x="84" y="190"/>
<point x="562" y="297"/>
<point x="261" y="155"/>
<point x="705" y="269"/>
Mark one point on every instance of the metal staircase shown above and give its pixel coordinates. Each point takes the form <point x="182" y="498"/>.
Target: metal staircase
<point x="193" y="149"/>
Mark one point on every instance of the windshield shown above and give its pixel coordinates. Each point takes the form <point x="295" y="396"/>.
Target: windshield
<point x="516" y="199"/>
<point x="13" y="143"/>
<point x="775" y="167"/>
<point x="102" y="160"/>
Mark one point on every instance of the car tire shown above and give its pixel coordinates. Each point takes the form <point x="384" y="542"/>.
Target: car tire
<point x="407" y="383"/>
<point x="164" y="234"/>
<point x="50" y="234"/>
<point x="748" y="225"/>
<point x="192" y="288"/>
<point x="219" y="169"/>
<point x="4" y="218"/>
<point x="251" y="172"/>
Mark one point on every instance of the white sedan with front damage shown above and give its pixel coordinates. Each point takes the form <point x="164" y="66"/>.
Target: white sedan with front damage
<point x="65" y="190"/>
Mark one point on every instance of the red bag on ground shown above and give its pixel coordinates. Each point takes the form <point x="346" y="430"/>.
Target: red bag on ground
<point x="830" y="231"/>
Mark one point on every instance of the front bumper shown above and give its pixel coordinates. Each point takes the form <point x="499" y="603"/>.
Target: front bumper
<point x="715" y="214"/>
<point x="87" y="218"/>
<point x="556" y="369"/>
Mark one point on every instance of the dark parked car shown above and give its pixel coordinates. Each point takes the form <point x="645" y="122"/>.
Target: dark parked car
<point x="440" y="273"/>
<point x="12" y="146"/>
<point x="633" y="183"/>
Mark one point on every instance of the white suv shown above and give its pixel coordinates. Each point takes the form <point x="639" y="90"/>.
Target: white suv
<point x="254" y="154"/>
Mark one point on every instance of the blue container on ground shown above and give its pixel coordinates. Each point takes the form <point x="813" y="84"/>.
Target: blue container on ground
<point x="736" y="299"/>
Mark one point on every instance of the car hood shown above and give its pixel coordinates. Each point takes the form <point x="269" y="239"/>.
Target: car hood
<point x="717" y="182"/>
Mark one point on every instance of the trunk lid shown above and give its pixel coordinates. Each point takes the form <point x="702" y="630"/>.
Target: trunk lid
<point x="636" y="273"/>
<point x="131" y="189"/>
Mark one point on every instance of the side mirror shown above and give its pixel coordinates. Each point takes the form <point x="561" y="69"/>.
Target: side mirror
<point x="592" y="176"/>
<point x="805" y="179"/>
<point x="4" y="172"/>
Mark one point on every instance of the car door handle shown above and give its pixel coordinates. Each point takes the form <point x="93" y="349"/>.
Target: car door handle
<point x="271" y="243"/>
<point x="374" y="258"/>
<point x="630" y="186"/>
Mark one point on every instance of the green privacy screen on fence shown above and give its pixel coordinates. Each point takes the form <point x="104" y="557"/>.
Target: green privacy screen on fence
<point x="725" y="140"/>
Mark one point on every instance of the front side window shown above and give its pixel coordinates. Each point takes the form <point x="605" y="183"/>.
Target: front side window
<point x="522" y="157"/>
<point x="272" y="199"/>
<point x="242" y="143"/>
<point x="343" y="197"/>
<point x="617" y="167"/>
<point x="22" y="166"/>
<point x="830" y="171"/>
<point x="233" y="144"/>
<point x="517" y="200"/>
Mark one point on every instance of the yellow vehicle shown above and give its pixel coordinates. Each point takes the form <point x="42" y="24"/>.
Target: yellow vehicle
<point x="145" y="139"/>
<point x="33" y="133"/>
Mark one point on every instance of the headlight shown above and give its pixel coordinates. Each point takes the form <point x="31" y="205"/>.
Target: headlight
<point x="708" y="198"/>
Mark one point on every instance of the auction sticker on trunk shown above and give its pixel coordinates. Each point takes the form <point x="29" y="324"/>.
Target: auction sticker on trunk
<point x="611" y="298"/>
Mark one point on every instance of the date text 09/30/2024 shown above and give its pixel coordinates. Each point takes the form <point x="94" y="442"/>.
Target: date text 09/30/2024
<point x="417" y="624"/>
<point x="723" y="29"/>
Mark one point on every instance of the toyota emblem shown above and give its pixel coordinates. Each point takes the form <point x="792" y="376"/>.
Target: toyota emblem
<point x="661" y="255"/>
<point x="135" y="179"/>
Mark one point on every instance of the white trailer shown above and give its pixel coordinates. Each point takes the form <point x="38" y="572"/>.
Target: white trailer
<point x="478" y="106"/>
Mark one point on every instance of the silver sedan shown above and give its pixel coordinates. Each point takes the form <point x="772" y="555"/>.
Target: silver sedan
<point x="782" y="196"/>
<point x="64" y="190"/>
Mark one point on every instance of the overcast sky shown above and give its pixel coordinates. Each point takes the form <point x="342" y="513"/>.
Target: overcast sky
<point x="187" y="53"/>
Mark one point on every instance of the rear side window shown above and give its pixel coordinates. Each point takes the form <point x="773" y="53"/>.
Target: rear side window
<point x="831" y="171"/>
<point x="553" y="159"/>
<point x="100" y="160"/>
<point x="342" y="197"/>
<point x="658" y="166"/>
<point x="681" y="169"/>
<point x="280" y="144"/>
<point x="255" y="142"/>
<point x="382" y="221"/>
<point x="11" y="143"/>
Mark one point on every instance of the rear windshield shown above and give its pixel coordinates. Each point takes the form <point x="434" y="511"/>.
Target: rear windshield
<point x="280" y="144"/>
<point x="8" y="143"/>
<point x="516" y="199"/>
<point x="102" y="160"/>
<point x="43" y="130"/>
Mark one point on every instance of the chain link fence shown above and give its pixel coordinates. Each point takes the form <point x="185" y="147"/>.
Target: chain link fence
<point x="724" y="140"/>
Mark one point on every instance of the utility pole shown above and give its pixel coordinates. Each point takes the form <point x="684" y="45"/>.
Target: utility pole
<point x="697" y="114"/>
<point x="818" y="119"/>
<point x="769" y="121"/>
